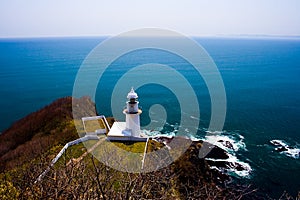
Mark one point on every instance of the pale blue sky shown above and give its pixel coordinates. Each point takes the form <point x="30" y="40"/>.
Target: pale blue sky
<point x="30" y="18"/>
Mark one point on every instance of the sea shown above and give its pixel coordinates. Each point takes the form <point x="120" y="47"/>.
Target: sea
<point x="261" y="78"/>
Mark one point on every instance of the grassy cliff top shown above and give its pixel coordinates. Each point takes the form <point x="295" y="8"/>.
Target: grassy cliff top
<point x="28" y="146"/>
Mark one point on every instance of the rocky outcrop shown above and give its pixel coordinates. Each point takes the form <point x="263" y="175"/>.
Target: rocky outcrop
<point x="218" y="160"/>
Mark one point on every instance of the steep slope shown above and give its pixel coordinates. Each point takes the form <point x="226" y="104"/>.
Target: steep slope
<point x="37" y="132"/>
<point x="29" y="145"/>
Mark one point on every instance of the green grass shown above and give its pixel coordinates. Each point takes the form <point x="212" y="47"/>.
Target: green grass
<point x="132" y="150"/>
<point x="93" y="125"/>
<point x="134" y="147"/>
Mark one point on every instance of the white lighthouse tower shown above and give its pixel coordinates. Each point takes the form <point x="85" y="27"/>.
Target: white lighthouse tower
<point x="132" y="113"/>
<point x="129" y="130"/>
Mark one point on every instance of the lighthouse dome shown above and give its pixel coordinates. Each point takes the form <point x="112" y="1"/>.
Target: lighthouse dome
<point x="132" y="94"/>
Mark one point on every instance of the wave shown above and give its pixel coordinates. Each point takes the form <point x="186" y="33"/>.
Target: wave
<point x="230" y="142"/>
<point x="283" y="147"/>
<point x="232" y="166"/>
<point x="153" y="133"/>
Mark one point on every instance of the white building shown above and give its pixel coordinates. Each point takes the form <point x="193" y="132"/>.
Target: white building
<point x="129" y="130"/>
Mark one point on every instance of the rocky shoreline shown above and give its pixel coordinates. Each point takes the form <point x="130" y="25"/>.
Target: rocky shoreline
<point x="220" y="161"/>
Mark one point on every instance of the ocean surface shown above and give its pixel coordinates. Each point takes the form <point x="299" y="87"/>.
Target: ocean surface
<point x="261" y="78"/>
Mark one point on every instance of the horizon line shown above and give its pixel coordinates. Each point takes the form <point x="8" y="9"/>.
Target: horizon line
<point x="192" y="36"/>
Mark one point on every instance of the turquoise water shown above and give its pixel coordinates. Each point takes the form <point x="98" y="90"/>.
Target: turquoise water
<point x="261" y="77"/>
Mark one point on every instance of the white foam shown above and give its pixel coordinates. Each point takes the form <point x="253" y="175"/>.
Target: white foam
<point x="158" y="134"/>
<point x="232" y="164"/>
<point x="293" y="152"/>
<point x="229" y="142"/>
<point x="192" y="117"/>
<point x="279" y="143"/>
<point x="224" y="141"/>
<point x="193" y="138"/>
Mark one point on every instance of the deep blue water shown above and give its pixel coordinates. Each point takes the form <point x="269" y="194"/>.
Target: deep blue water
<point x="261" y="78"/>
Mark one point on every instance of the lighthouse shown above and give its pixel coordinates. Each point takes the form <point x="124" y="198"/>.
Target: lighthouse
<point x="132" y="113"/>
<point x="129" y="130"/>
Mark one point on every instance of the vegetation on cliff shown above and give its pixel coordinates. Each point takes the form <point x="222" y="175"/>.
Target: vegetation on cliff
<point x="27" y="148"/>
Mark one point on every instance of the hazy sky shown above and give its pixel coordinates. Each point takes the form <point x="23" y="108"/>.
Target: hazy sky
<point x="28" y="18"/>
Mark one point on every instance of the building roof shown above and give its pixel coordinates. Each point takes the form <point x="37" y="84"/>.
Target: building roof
<point x="132" y="94"/>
